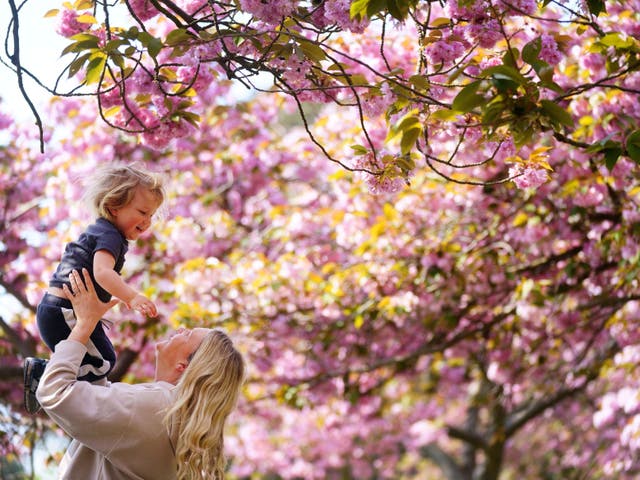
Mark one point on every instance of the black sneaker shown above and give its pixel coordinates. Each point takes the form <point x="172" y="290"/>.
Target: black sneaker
<point x="33" y="369"/>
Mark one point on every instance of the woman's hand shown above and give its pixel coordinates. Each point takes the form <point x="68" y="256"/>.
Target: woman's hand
<point x="88" y="308"/>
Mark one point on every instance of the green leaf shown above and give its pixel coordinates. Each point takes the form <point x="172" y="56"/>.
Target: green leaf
<point x="616" y="40"/>
<point x="177" y="36"/>
<point x="399" y="9"/>
<point x="596" y="7"/>
<point x="633" y="146"/>
<point x="504" y="72"/>
<point x="117" y="59"/>
<point x="503" y="84"/>
<point x="366" y="8"/>
<point x="405" y="163"/>
<point x="419" y="81"/>
<point x="153" y="44"/>
<point x="113" y="45"/>
<point x="375" y="6"/>
<point x="154" y="47"/>
<point x="312" y="51"/>
<point x="611" y="156"/>
<point x="604" y="143"/>
<point x="359" y="149"/>
<point x="556" y="113"/>
<point x="467" y="99"/>
<point x="409" y="138"/>
<point x="492" y="113"/>
<point x="80" y="37"/>
<point x="95" y="69"/>
<point x="510" y="57"/>
<point x="544" y="71"/>
<point x="407" y="122"/>
<point x="192" y="118"/>
<point x="531" y="51"/>
<point x="79" y="46"/>
<point x="77" y="64"/>
<point x="358" y="8"/>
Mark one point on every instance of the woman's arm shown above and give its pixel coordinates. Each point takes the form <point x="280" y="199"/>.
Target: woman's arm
<point x="95" y="415"/>
<point x="87" y="307"/>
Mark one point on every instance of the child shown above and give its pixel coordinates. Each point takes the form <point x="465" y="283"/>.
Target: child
<point x="125" y="198"/>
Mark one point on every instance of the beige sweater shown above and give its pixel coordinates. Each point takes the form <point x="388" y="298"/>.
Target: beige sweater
<point x="117" y="429"/>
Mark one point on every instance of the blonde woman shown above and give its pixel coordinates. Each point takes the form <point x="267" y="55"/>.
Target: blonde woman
<point x="171" y="428"/>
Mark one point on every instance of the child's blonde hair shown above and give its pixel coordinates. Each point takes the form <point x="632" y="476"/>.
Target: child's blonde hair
<point x="114" y="185"/>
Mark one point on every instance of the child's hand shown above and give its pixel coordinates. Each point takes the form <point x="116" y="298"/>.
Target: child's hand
<point x="143" y="305"/>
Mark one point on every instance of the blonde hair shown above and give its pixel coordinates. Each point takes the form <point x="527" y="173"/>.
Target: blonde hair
<point x="114" y="185"/>
<point x="206" y="394"/>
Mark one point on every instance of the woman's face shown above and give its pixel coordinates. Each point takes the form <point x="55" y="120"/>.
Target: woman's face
<point x="179" y="346"/>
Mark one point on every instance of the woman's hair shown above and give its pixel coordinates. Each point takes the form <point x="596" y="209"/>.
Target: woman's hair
<point x="206" y="394"/>
<point x="114" y="185"/>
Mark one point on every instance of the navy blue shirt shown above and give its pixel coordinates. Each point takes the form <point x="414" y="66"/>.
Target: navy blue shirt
<point x="102" y="235"/>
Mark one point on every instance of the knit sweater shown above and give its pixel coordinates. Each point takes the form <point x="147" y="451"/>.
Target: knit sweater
<point x="117" y="428"/>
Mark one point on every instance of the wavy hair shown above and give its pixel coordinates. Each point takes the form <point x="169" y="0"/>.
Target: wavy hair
<point x="113" y="186"/>
<point x="206" y="394"/>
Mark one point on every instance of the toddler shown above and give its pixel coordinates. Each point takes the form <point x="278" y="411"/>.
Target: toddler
<point x="124" y="198"/>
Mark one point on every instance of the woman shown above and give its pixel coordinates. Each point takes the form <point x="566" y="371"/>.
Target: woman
<point x="171" y="428"/>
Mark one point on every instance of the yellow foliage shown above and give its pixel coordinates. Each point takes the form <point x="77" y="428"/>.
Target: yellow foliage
<point x="390" y="212"/>
<point x="112" y="111"/>
<point x="520" y="219"/>
<point x="194" y="263"/>
<point x="83" y="4"/>
<point x="384" y="302"/>
<point x="328" y="268"/>
<point x="338" y="175"/>
<point x="86" y="18"/>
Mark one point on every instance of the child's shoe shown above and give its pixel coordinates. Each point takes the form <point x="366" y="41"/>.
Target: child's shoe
<point x="33" y="369"/>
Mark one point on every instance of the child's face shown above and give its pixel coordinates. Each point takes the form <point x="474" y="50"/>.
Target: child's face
<point x="135" y="218"/>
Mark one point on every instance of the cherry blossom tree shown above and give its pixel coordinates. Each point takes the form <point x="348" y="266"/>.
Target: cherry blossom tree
<point x="499" y="77"/>
<point x="436" y="329"/>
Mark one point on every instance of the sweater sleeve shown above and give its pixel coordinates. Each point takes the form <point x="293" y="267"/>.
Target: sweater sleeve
<point x="95" y="415"/>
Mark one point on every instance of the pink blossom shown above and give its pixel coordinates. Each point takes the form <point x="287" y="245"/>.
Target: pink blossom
<point x="486" y="33"/>
<point x="528" y="176"/>
<point x="143" y="9"/>
<point x="271" y="12"/>
<point x="386" y="177"/>
<point x="158" y="138"/>
<point x="444" y="52"/>
<point x="375" y="105"/>
<point x="68" y="25"/>
<point x="522" y="7"/>
<point x="5" y="121"/>
<point x="337" y="11"/>
<point x="549" y="49"/>
<point x="471" y="11"/>
<point x="424" y="432"/>
<point x="591" y="196"/>
<point x="110" y="98"/>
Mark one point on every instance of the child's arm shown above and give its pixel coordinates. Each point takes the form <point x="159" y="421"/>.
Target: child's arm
<point x="108" y="278"/>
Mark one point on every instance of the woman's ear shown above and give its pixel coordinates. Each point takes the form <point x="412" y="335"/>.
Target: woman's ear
<point x="182" y="366"/>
